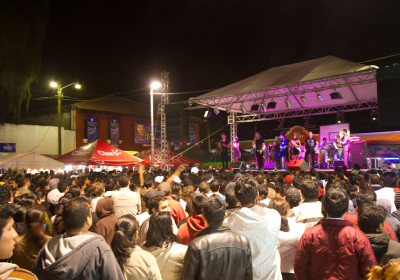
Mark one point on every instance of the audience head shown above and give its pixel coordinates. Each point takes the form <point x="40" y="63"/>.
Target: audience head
<point x="7" y="231"/>
<point x="158" y="204"/>
<point x="198" y="203"/>
<point x="76" y="216"/>
<point x="309" y="189"/>
<point x="283" y="208"/>
<point x="335" y="202"/>
<point x="365" y="197"/>
<point x="160" y="230"/>
<point x="246" y="191"/>
<point x="371" y="219"/>
<point x="389" y="179"/>
<point x="214" y="210"/>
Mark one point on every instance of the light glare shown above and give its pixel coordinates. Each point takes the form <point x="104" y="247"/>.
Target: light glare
<point x="53" y="84"/>
<point x="78" y="86"/>
<point x="155" y="85"/>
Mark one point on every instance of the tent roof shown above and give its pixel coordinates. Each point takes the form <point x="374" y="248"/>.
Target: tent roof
<point x="356" y="82"/>
<point x="314" y="69"/>
<point x="173" y="159"/>
<point x="28" y="160"/>
<point x="99" y="152"/>
<point x="115" y="104"/>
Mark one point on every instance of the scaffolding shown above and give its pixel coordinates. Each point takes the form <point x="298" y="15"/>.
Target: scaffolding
<point x="163" y="119"/>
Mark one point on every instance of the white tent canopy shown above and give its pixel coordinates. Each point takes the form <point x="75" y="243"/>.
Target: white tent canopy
<point x="296" y="82"/>
<point x="28" y="160"/>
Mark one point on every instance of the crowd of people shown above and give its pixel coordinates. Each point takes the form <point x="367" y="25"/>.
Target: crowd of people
<point x="193" y="223"/>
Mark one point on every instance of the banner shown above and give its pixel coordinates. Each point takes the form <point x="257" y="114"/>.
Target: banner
<point x="114" y="132"/>
<point x="142" y="133"/>
<point x="192" y="134"/>
<point x="7" y="147"/>
<point x="91" y="128"/>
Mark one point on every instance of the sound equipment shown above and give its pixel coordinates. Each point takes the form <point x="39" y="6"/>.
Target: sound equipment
<point x="177" y="121"/>
<point x="297" y="165"/>
<point x="269" y="165"/>
<point x="388" y="83"/>
<point x="338" y="163"/>
<point x="358" y="154"/>
<point x="236" y="165"/>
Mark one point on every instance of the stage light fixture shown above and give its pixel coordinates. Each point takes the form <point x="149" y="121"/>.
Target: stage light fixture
<point x="340" y="118"/>
<point x="306" y="121"/>
<point x="303" y="99"/>
<point x="255" y="108"/>
<point x="263" y="108"/>
<point x="288" y="103"/>
<point x="336" y="95"/>
<point x="319" y="97"/>
<point x="271" y="105"/>
<point x="207" y="114"/>
<point x="216" y="111"/>
<point x="374" y="114"/>
<point x="242" y="109"/>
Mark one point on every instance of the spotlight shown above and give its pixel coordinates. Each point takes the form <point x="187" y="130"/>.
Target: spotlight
<point x="319" y="97"/>
<point x="336" y="95"/>
<point x="271" y="105"/>
<point x="207" y="114"/>
<point x="374" y="115"/>
<point x="288" y="103"/>
<point x="255" y="108"/>
<point x="263" y="108"/>
<point x="339" y="117"/>
<point x="303" y="99"/>
<point x="216" y="111"/>
<point x="243" y="109"/>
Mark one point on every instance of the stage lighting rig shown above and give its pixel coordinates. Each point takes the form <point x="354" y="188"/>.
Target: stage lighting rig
<point x="288" y="103"/>
<point x="319" y="97"/>
<point x="271" y="105"/>
<point x="207" y="114"/>
<point x="336" y="95"/>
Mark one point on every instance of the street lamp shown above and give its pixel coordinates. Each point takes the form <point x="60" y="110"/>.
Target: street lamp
<point x="154" y="85"/>
<point x="60" y="97"/>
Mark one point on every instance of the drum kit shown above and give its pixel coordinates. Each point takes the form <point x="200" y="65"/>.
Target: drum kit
<point x="324" y="157"/>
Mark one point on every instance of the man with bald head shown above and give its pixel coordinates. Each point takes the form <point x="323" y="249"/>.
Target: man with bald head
<point x="177" y="211"/>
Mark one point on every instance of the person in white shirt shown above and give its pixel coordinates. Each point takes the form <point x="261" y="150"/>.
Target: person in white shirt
<point x="389" y="180"/>
<point x="125" y="200"/>
<point x="54" y="195"/>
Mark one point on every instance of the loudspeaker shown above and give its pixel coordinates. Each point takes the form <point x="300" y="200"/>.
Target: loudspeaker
<point x="236" y="165"/>
<point x="177" y="121"/>
<point x="297" y="165"/>
<point x="358" y="154"/>
<point x="388" y="84"/>
<point x="269" y="165"/>
<point x="338" y="163"/>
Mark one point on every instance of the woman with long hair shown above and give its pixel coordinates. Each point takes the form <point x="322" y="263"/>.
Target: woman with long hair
<point x="296" y="146"/>
<point x="288" y="237"/>
<point x="135" y="263"/>
<point x="161" y="242"/>
<point x="236" y="150"/>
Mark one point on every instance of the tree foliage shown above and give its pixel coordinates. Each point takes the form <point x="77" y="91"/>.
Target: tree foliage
<point x="22" y="30"/>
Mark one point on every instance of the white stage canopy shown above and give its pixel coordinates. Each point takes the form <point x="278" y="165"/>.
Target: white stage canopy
<point x="28" y="160"/>
<point x="297" y="84"/>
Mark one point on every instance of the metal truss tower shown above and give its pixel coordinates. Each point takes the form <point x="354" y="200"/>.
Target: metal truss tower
<point x="163" y="119"/>
<point x="233" y="125"/>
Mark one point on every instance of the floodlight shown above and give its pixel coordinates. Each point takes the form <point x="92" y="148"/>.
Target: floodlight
<point x="155" y="85"/>
<point x="336" y="95"/>
<point x="374" y="114"/>
<point x="53" y="84"/>
<point x="319" y="97"/>
<point x="207" y="114"/>
<point x="255" y="108"/>
<point x="303" y="99"/>
<point x="288" y="103"/>
<point x="340" y="117"/>
<point x="78" y="86"/>
<point x="271" y="105"/>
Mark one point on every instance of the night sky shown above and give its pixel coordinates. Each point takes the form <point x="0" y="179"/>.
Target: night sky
<point x="121" y="46"/>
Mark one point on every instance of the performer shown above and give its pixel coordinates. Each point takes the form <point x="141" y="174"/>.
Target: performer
<point x="311" y="145"/>
<point x="345" y="141"/>
<point x="259" y="147"/>
<point x="324" y="150"/>
<point x="236" y="150"/>
<point x="224" y="146"/>
<point x="284" y="154"/>
<point x="296" y="146"/>
<point x="338" y="148"/>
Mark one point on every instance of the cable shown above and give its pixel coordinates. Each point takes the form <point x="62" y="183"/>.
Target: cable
<point x="380" y="58"/>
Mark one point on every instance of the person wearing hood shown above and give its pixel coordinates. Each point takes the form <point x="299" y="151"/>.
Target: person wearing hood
<point x="107" y="219"/>
<point x="392" y="220"/>
<point x="78" y="254"/>
<point x="370" y="221"/>
<point x="261" y="227"/>
<point x="194" y="224"/>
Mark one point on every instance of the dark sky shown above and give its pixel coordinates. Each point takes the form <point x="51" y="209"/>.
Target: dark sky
<point x="117" y="46"/>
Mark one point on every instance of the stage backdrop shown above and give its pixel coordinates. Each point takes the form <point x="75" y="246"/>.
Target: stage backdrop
<point x="330" y="131"/>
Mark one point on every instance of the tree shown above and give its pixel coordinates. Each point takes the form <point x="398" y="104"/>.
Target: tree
<point x="22" y="30"/>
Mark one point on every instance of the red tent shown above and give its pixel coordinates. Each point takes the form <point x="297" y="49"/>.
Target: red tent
<point x="99" y="152"/>
<point x="173" y="159"/>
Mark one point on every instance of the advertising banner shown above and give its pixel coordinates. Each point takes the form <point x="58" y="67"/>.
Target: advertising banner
<point x="114" y="132"/>
<point x="91" y="128"/>
<point x="7" y="147"/>
<point x="142" y="132"/>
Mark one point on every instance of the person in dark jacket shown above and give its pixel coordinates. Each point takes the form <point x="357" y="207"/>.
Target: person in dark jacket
<point x="217" y="252"/>
<point x="107" y="219"/>
<point x="333" y="249"/>
<point x="77" y="254"/>
<point x="370" y="221"/>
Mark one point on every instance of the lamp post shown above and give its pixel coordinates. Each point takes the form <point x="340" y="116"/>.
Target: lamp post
<point x="153" y="86"/>
<point x="59" y="98"/>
